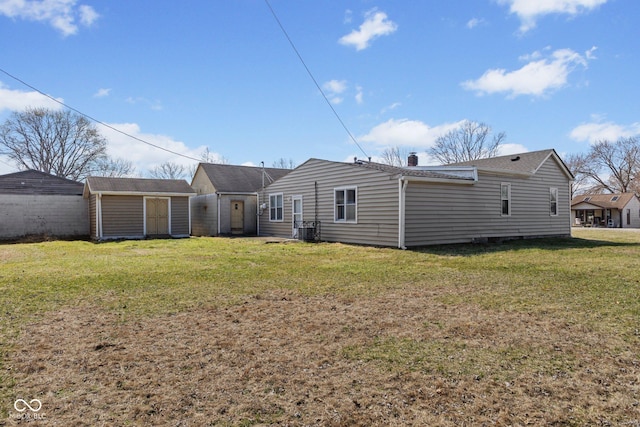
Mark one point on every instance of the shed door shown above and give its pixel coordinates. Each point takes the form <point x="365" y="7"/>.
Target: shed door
<point x="237" y="217"/>
<point x="157" y="216"/>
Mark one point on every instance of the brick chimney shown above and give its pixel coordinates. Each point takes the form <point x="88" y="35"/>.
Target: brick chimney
<point x="413" y="159"/>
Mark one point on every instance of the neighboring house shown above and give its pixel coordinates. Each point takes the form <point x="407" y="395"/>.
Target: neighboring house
<point x="135" y="208"/>
<point x="516" y="196"/>
<point x="34" y="203"/>
<point x="226" y="202"/>
<point x="621" y="210"/>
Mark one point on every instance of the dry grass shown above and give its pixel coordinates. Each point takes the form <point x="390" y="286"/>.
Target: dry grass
<point x="526" y="333"/>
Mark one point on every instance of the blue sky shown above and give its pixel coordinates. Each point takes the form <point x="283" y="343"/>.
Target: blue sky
<point x="220" y="74"/>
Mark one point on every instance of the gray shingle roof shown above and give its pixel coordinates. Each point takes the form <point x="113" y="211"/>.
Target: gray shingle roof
<point x="138" y="185"/>
<point x="519" y="163"/>
<point x="240" y="179"/>
<point x="36" y="182"/>
<point x="408" y="171"/>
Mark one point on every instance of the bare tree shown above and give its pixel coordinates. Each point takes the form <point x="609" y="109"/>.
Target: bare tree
<point x="57" y="142"/>
<point x="168" y="170"/>
<point x="394" y="156"/>
<point x="613" y="167"/>
<point x="577" y="165"/>
<point x="467" y="142"/>
<point x="283" y="163"/>
<point x="114" y="167"/>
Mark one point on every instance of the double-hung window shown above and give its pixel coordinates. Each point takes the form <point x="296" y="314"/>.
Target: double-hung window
<point x="553" y="201"/>
<point x="505" y="199"/>
<point x="275" y="207"/>
<point x="345" y="204"/>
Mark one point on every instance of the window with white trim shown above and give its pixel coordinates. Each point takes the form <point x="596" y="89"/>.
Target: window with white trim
<point x="345" y="204"/>
<point x="553" y="201"/>
<point x="505" y="199"/>
<point x="276" y="203"/>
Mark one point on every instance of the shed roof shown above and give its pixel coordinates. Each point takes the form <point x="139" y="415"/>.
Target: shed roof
<point x="524" y="163"/>
<point x="137" y="186"/>
<point x="240" y="179"/>
<point x="36" y="182"/>
<point x="606" y="201"/>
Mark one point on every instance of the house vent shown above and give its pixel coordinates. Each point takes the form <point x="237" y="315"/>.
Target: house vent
<point x="412" y="160"/>
<point x="614" y="198"/>
<point x="515" y="159"/>
<point x="586" y="199"/>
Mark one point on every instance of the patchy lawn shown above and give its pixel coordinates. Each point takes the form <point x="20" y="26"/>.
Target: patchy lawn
<point x="237" y="332"/>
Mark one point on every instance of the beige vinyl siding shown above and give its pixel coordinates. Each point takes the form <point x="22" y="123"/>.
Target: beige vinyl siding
<point x="438" y="213"/>
<point x="179" y="216"/>
<point x="93" y="230"/>
<point x="122" y="216"/>
<point x="250" y="222"/>
<point x="377" y="203"/>
<point x="201" y="182"/>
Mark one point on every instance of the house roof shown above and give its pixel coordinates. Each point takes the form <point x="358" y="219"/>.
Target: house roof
<point x="436" y="172"/>
<point x="240" y="179"/>
<point x="606" y="201"/>
<point x="137" y="186"/>
<point x="36" y="182"/>
<point x="523" y="163"/>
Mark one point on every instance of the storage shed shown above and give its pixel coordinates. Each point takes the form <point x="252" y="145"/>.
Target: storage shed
<point x="34" y="203"/>
<point x="136" y="208"/>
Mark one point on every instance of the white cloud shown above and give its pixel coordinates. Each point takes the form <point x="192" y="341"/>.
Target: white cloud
<point x="154" y="105"/>
<point x="406" y="133"/>
<point x="144" y="157"/>
<point x="537" y="78"/>
<point x="101" y="93"/>
<point x="598" y="130"/>
<point x="375" y="25"/>
<point x="474" y="22"/>
<point x="63" y="15"/>
<point x="506" y="149"/>
<point x="333" y="89"/>
<point x="530" y="10"/>
<point x="16" y="100"/>
<point x="359" y="95"/>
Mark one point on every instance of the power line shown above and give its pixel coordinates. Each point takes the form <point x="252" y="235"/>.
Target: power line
<point x="98" y="121"/>
<point x="313" y="78"/>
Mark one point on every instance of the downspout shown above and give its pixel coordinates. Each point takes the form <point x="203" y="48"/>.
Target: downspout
<point x="218" y="202"/>
<point x="402" y="190"/>
<point x="99" y="215"/>
<point x="257" y="213"/>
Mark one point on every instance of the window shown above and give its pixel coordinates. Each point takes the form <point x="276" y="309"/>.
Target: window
<point x="345" y="205"/>
<point x="275" y="207"/>
<point x="553" y="201"/>
<point x="505" y="198"/>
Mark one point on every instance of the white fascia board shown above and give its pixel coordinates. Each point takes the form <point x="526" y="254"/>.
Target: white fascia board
<point x="439" y="180"/>
<point x="143" y="194"/>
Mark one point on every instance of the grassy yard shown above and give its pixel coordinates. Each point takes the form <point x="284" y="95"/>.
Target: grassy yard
<point x="213" y="331"/>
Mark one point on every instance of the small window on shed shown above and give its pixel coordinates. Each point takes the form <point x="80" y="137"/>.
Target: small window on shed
<point x="505" y="198"/>
<point x="553" y="201"/>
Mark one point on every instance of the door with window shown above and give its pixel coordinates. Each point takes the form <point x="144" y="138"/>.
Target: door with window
<point x="296" y="210"/>
<point x="237" y="217"/>
<point x="157" y="216"/>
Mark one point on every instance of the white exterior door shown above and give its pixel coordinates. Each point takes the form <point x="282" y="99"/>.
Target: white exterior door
<point x="296" y="209"/>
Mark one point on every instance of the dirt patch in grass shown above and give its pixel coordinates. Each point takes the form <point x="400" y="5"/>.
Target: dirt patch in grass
<point x="280" y="358"/>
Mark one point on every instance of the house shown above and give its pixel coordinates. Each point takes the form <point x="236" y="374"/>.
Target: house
<point x="40" y="204"/>
<point x="226" y="200"/>
<point x="516" y="196"/>
<point x="135" y="208"/>
<point x="621" y="210"/>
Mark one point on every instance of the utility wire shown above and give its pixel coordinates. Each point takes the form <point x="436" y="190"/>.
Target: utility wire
<point x="98" y="121"/>
<point x="313" y="78"/>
